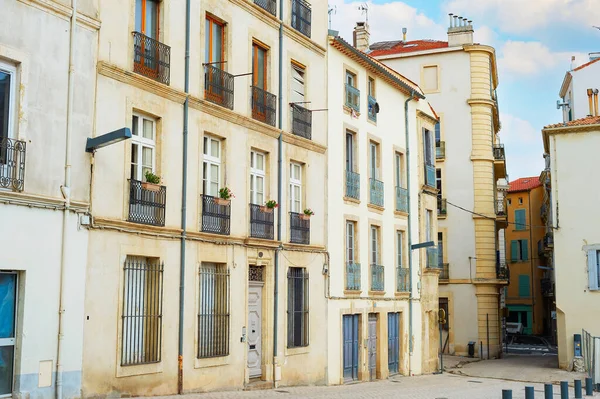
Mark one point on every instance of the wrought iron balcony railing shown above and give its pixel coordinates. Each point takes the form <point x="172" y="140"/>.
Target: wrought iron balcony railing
<point x="267" y="5"/>
<point x="352" y="97"/>
<point x="218" y="86"/>
<point x="440" y="149"/>
<point x="353" y="276"/>
<point x="547" y="287"/>
<point x="299" y="229"/>
<point x="401" y="199"/>
<point x="442" y="209"/>
<point x="12" y="164"/>
<point x="548" y="241"/>
<point x="301" y="16"/>
<point x="373" y="108"/>
<point x="261" y="222"/>
<point x="377" y="281"/>
<point x="433" y="260"/>
<point x="402" y="280"/>
<point x="376" y="192"/>
<point x="502" y="271"/>
<point x="151" y="58"/>
<point x="301" y="121"/>
<point x="430" y="175"/>
<point x="499" y="154"/>
<point x="352" y="185"/>
<point x="216" y="218"/>
<point x="147" y="203"/>
<point x="264" y="106"/>
<point x="445" y="273"/>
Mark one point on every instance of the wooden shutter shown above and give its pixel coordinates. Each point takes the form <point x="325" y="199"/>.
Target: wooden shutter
<point x="593" y="270"/>
<point x="524" y="250"/>
<point x="514" y="250"/>
<point x="520" y="219"/>
<point x="524" y="285"/>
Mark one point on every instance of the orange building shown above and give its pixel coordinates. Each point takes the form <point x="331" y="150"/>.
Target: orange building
<point x="524" y="249"/>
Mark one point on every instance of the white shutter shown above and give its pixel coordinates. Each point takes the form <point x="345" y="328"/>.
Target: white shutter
<point x="593" y="270"/>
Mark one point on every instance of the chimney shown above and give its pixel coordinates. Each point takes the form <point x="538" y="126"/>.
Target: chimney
<point x="460" y="31"/>
<point x="590" y="94"/>
<point x="404" y="30"/>
<point x="361" y="36"/>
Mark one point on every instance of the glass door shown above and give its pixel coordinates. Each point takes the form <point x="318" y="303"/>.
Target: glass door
<point x="8" y="305"/>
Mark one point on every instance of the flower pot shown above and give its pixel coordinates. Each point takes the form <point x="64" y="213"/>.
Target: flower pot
<point x="266" y="209"/>
<point x="305" y="217"/>
<point x="222" y="201"/>
<point x="150" y="187"/>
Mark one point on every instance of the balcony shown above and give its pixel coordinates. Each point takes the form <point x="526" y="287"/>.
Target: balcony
<point x="268" y="5"/>
<point x="151" y="58"/>
<point x="299" y="229"/>
<point x="547" y="287"/>
<point x="440" y="150"/>
<point x="499" y="161"/>
<point x="540" y="245"/>
<point x="373" y="108"/>
<point x="445" y="273"/>
<point x="352" y="97"/>
<point x="218" y="86"/>
<point x="301" y="121"/>
<point x="402" y="280"/>
<point x="432" y="260"/>
<point x="147" y="203"/>
<point x="301" y="17"/>
<point x="401" y="199"/>
<point x="376" y="192"/>
<point x="548" y="242"/>
<point x="442" y="209"/>
<point x="352" y="185"/>
<point x="502" y="271"/>
<point x="264" y="106"/>
<point x="261" y="222"/>
<point x="216" y="218"/>
<point x="352" y="276"/>
<point x="430" y="175"/>
<point x="377" y="282"/>
<point x="501" y="213"/>
<point x="12" y="164"/>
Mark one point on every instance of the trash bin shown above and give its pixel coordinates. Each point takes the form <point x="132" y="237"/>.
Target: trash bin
<point x="471" y="349"/>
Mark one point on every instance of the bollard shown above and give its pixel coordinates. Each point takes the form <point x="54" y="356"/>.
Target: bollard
<point x="507" y="394"/>
<point x="589" y="388"/>
<point x="548" y="392"/>
<point x="529" y="394"/>
<point x="578" y="391"/>
<point x="564" y="390"/>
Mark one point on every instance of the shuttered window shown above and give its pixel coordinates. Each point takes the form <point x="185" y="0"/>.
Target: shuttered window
<point x="524" y="286"/>
<point x="520" y="223"/>
<point x="519" y="250"/>
<point x="593" y="269"/>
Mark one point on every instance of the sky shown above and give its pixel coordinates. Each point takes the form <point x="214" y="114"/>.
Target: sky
<point x="534" y="42"/>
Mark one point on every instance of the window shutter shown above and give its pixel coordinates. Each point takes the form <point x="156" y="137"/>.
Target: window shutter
<point x="514" y="250"/>
<point x="524" y="250"/>
<point x="593" y="270"/>
<point x="524" y="285"/>
<point x="520" y="219"/>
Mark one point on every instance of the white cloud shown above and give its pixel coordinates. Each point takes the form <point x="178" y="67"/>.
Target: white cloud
<point x="531" y="58"/>
<point x="523" y="145"/>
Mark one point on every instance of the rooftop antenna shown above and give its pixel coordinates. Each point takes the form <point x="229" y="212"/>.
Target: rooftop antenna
<point x="364" y="9"/>
<point x="331" y="10"/>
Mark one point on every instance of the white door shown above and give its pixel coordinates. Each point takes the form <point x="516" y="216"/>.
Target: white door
<point x="254" y="329"/>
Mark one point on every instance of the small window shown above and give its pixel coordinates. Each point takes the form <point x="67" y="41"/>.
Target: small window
<point x="297" y="309"/>
<point x="509" y="201"/>
<point x="213" y="316"/>
<point x="295" y="187"/>
<point x="374" y="160"/>
<point x="350" y="242"/>
<point x="430" y="78"/>
<point x="143" y="146"/>
<point x="375" y="246"/>
<point x="211" y="167"/>
<point x="352" y="92"/>
<point x="257" y="177"/>
<point x="520" y="200"/>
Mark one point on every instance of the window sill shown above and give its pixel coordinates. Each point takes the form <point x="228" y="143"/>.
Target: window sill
<point x="352" y="293"/>
<point x="402" y="295"/>
<point x="376" y="293"/>
<point x="211" y="362"/>
<point x="376" y="208"/>
<point x="297" y="351"/>
<point x="141" y="369"/>
<point x="400" y="213"/>
<point x="351" y="200"/>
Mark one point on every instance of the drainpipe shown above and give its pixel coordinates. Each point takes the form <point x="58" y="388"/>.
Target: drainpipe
<point x="184" y="198"/>
<point x="66" y="193"/>
<point x="410" y="298"/>
<point x="531" y="262"/>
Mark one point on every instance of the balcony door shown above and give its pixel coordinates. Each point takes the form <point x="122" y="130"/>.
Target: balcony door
<point x="7" y="101"/>
<point x="259" y="82"/>
<point x="146" y="23"/>
<point x="214" y="56"/>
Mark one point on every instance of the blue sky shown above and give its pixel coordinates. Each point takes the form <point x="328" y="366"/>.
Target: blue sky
<point x="534" y="41"/>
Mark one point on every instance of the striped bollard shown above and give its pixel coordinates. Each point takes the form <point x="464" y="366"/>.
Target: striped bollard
<point x="589" y="388"/>
<point x="577" y="386"/>
<point x="507" y="394"/>
<point x="529" y="394"/>
<point x="548" y="391"/>
<point x="564" y="390"/>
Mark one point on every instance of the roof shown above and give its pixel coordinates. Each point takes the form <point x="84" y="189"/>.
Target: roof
<point x="400" y="47"/>
<point x="569" y="77"/>
<point x="588" y="120"/>
<point x="524" y="184"/>
<point x="587" y="64"/>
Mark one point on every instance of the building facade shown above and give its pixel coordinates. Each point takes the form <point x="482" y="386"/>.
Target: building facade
<point x="459" y="79"/>
<point x="579" y="90"/>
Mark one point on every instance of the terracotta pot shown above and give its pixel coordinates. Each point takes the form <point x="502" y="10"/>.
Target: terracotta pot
<point x="221" y="201"/>
<point x="150" y="186"/>
<point x="266" y="209"/>
<point x="305" y="217"/>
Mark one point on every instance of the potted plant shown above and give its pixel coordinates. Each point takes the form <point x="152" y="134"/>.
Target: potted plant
<point x="225" y="196"/>
<point x="152" y="182"/>
<point x="269" y="206"/>
<point x="307" y="214"/>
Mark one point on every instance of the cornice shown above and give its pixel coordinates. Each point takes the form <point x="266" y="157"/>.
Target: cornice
<point x="64" y="12"/>
<point x="426" y="116"/>
<point x="41" y="200"/>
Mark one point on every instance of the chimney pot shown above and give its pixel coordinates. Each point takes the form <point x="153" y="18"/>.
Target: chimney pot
<point x="450" y="17"/>
<point x="361" y="36"/>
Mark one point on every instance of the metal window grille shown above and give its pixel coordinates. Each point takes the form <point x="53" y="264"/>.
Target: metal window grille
<point x="218" y="86"/>
<point x="353" y="276"/>
<point x="377" y="282"/>
<point x="299" y="229"/>
<point x="151" y="58"/>
<point x="301" y="121"/>
<point x="264" y="106"/>
<point x="376" y="191"/>
<point x="256" y="273"/>
<point x="261" y="222"/>
<point x="352" y="97"/>
<point x="213" y="316"/>
<point x="499" y="154"/>
<point x="301" y="16"/>
<point x="402" y="279"/>
<point x="147" y="206"/>
<point x="142" y="311"/>
<point x="297" y="312"/>
<point x="352" y="185"/>
<point x="215" y="218"/>
<point x="373" y="108"/>
<point x="268" y="5"/>
<point x="12" y="163"/>
<point x="401" y="199"/>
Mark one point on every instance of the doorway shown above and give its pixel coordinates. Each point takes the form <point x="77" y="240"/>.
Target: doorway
<point x="372" y="346"/>
<point x="350" y="325"/>
<point x="8" y="322"/>
<point x="255" y="291"/>
<point x="393" y="342"/>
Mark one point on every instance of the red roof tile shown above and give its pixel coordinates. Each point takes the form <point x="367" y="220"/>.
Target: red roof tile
<point x="587" y="64"/>
<point x="524" y="184"/>
<point x="588" y="120"/>
<point x="400" y="47"/>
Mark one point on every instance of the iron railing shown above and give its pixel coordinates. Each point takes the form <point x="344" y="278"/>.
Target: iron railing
<point x="218" y="86"/>
<point x="301" y="16"/>
<point x="401" y="199"/>
<point x="213" y="311"/>
<point x="377" y="279"/>
<point x="264" y="106"/>
<point x="376" y="192"/>
<point x="151" y="58"/>
<point x="502" y="271"/>
<point x="433" y="260"/>
<point x="215" y="218"/>
<point x="430" y="175"/>
<point x="548" y="241"/>
<point x="301" y="121"/>
<point x="352" y="185"/>
<point x="372" y="108"/>
<point x="142" y="311"/>
<point x="540" y="245"/>
<point x="267" y="5"/>
<point x="590" y="360"/>
<point x="501" y="207"/>
<point x="261" y="222"/>
<point x="12" y="164"/>
<point x="445" y="273"/>
<point x="352" y="97"/>
<point x="440" y="149"/>
<point x="353" y="276"/>
<point x="299" y="229"/>
<point x="499" y="154"/>
<point x="442" y="209"/>
<point x="547" y="287"/>
<point x="402" y="279"/>
<point x="298" y="306"/>
<point x="147" y="204"/>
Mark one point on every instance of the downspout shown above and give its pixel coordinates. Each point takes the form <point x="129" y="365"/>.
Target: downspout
<point x="410" y="298"/>
<point x="184" y="199"/>
<point x="279" y="194"/>
<point x="531" y="262"/>
<point x="66" y="193"/>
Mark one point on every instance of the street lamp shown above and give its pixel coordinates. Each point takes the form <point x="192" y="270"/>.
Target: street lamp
<point x="107" y="139"/>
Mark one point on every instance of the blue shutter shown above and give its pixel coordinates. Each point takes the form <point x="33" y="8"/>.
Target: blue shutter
<point x="593" y="270"/>
<point x="524" y="285"/>
<point x="524" y="250"/>
<point x="514" y="250"/>
<point x="520" y="219"/>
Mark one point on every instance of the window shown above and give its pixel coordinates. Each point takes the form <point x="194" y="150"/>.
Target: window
<point x="373" y="160"/>
<point x="142" y="311"/>
<point x="349" y="151"/>
<point x="438" y="134"/>
<point x="371" y="87"/>
<point x="295" y="187"/>
<point x="520" y="200"/>
<point x="257" y="178"/>
<point x="593" y="257"/>
<point x="143" y="146"/>
<point x="352" y="93"/>
<point x="350" y="242"/>
<point x="259" y="66"/>
<point x="301" y="16"/>
<point x="350" y="79"/>
<point x="214" y="50"/>
<point x="298" y="91"/>
<point x="211" y="170"/>
<point x="297" y="310"/>
<point x="429" y="226"/>
<point x="520" y="221"/>
<point x="440" y="249"/>
<point x="524" y="286"/>
<point x="146" y="17"/>
<point x="430" y="78"/>
<point x="509" y="201"/>
<point x="213" y="311"/>
<point x="399" y="169"/>
<point x="399" y="248"/>
<point x="375" y="250"/>
<point x="519" y="250"/>
<point x="7" y="103"/>
<point x="428" y="147"/>
<point x="438" y="181"/>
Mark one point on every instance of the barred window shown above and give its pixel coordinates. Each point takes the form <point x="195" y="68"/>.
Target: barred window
<point x="297" y="307"/>
<point x="142" y="311"/>
<point x="213" y="316"/>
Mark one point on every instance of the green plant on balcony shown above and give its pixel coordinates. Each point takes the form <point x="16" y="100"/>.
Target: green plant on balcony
<point x="152" y="182"/>
<point x="269" y="206"/>
<point x="225" y="196"/>
<point x="306" y="214"/>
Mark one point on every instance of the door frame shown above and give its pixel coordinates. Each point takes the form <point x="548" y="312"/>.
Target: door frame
<point x="260" y="285"/>
<point x="16" y="329"/>
<point x="377" y="347"/>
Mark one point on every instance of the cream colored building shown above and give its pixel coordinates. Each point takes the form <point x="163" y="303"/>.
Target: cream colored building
<point x="239" y="106"/>
<point x="459" y="79"/>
